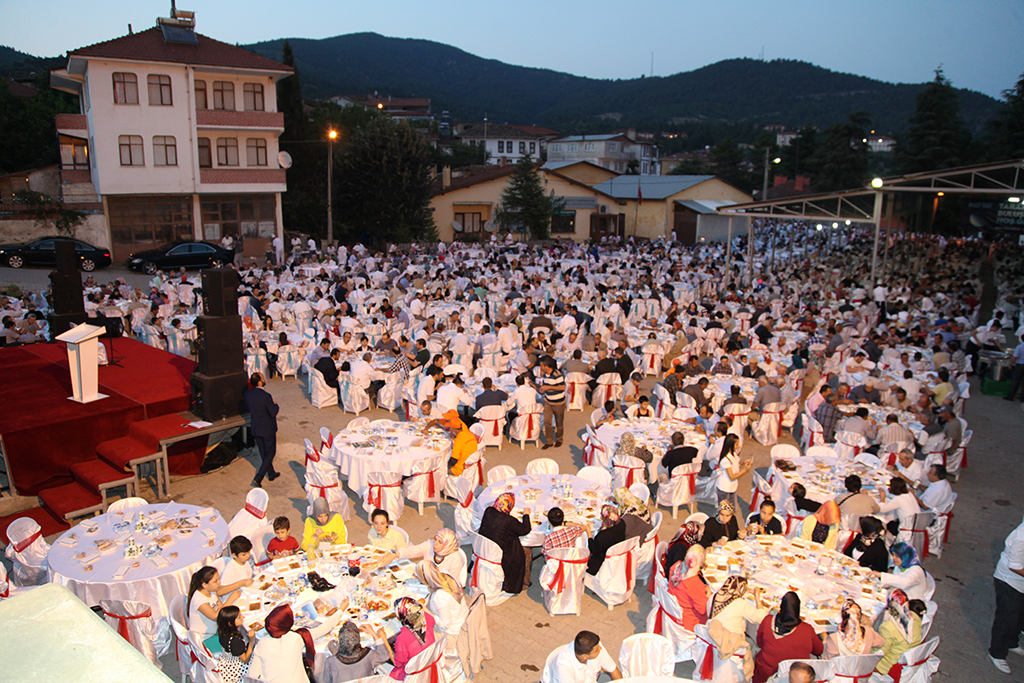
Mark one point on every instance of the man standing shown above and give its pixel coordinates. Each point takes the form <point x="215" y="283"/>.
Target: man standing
<point x="581" y="661"/>
<point x="552" y="385"/>
<point x="263" y="412"/>
<point x="1017" y="372"/>
<point x="1008" y="621"/>
<point x="278" y="250"/>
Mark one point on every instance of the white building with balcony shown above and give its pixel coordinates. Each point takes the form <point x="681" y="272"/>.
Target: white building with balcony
<point x="177" y="137"/>
<point x="613" y="151"/>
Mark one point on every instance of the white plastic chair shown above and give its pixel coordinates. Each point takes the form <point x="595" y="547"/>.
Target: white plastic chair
<point x="938" y="532"/>
<point x="680" y="489"/>
<point x="425" y="483"/>
<point x="666" y="619"/>
<point x="182" y="650"/>
<point x="427" y="666"/>
<point x="492" y="419"/>
<point x="955" y="462"/>
<point x="354" y="398"/>
<point x="27" y="551"/>
<point x="653" y="353"/>
<point x="472" y="473"/>
<point x="661" y="402"/>
<point x="390" y="395"/>
<point x="135" y="623"/>
<point x="561" y="580"/>
<point x="500" y="473"/>
<point x="488" y="575"/>
<point x="646" y="548"/>
<point x="641" y="491"/>
<point x="384" y="491"/>
<point x="289" y="358"/>
<point x="784" y="451"/>
<point x="768" y="429"/>
<point x="616" y="579"/>
<point x="466" y="520"/>
<point x="626" y="470"/>
<point x="919" y="663"/>
<point x="542" y="466"/>
<point x="321" y="395"/>
<point x="647" y="654"/>
<point x="321" y="481"/>
<point x="609" y="388"/>
<point x="527" y="426"/>
<point x="849" y="445"/>
<point x="598" y="475"/>
<point x="127" y="503"/>
<point x="576" y="390"/>
<point x="854" y="667"/>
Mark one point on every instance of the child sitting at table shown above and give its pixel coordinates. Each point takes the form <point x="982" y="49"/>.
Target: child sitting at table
<point x="283" y="543"/>
<point x="323" y="526"/>
<point x="237" y="571"/>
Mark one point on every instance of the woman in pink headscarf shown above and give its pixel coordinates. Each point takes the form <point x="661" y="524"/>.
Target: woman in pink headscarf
<point x="278" y="659"/>
<point x="687" y="585"/>
<point x="443" y="549"/>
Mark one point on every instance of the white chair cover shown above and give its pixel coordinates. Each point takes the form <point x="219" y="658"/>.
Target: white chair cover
<point x="919" y="663"/>
<point x="681" y="488"/>
<point x="609" y="388"/>
<point x="814" y="432"/>
<point x="647" y="654"/>
<point x="542" y="466"/>
<point x="390" y="395"/>
<point x="598" y="475"/>
<point x="652" y="357"/>
<point x="182" y="650"/>
<point x="487" y="574"/>
<point x="916" y="533"/>
<point x="27" y="551"/>
<point x="492" y="419"/>
<point x="705" y="655"/>
<point x="576" y="390"/>
<point x="849" y="445"/>
<point x="761" y="490"/>
<point x="599" y="454"/>
<point x="768" y="429"/>
<point x="954" y="462"/>
<point x="177" y="345"/>
<point x="384" y="491"/>
<point x="527" y="425"/>
<point x="289" y="358"/>
<point x="666" y="619"/>
<point x="938" y="532"/>
<point x="126" y="503"/>
<point x="616" y="578"/>
<point x="561" y="580"/>
<point x="626" y="470"/>
<point x="207" y="668"/>
<point x="740" y="418"/>
<point x="661" y="402"/>
<point x="322" y="482"/>
<point x="428" y="665"/>
<point x="491" y="357"/>
<point x="354" y="398"/>
<point x="500" y="473"/>
<point x="645" y="551"/>
<point x="853" y="668"/>
<point x="472" y="472"/>
<point x="466" y="520"/>
<point x="251" y="521"/>
<point x="135" y="623"/>
<point x="425" y="483"/>
<point x="321" y="395"/>
<point x="462" y="354"/>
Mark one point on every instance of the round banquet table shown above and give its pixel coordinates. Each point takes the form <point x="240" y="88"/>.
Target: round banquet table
<point x="541" y="492"/>
<point x="650" y="433"/>
<point x="823" y="477"/>
<point x="159" y="576"/>
<point x="823" y="578"/>
<point x="387" y="446"/>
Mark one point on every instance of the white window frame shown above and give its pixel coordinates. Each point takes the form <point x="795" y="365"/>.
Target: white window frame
<point x="252" y="96"/>
<point x="227" y="151"/>
<point x="160" y="85"/>
<point x="588" y="146"/>
<point x="165" y="150"/>
<point x="255" y="152"/>
<point x="220" y="89"/>
<point x="130" y="149"/>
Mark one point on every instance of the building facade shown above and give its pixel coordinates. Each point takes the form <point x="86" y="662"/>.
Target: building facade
<point x="503" y="144"/>
<point x="614" y="151"/>
<point x="177" y="138"/>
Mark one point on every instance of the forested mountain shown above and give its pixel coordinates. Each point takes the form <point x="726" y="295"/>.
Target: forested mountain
<point x="734" y="91"/>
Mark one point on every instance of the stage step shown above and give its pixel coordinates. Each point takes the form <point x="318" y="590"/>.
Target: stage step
<point x="119" y="452"/>
<point x="143" y="440"/>
<point x="70" y="500"/>
<point x="98" y="476"/>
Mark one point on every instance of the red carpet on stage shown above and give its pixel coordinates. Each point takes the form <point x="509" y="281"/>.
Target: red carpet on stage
<point x="44" y="433"/>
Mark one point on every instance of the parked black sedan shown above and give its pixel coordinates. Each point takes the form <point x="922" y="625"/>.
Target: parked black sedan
<point x="176" y="255"/>
<point x="43" y="252"/>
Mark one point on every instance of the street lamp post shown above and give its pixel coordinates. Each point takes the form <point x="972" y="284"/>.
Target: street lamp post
<point x="331" y="135"/>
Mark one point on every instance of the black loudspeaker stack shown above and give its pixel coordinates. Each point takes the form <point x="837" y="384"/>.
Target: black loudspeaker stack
<point x="219" y="382"/>
<point x="68" y="305"/>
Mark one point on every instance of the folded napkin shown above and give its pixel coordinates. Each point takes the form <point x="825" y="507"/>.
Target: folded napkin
<point x="67" y="541"/>
<point x="122" y="571"/>
<point x="90" y="558"/>
<point x="160" y="561"/>
<point x="206" y="512"/>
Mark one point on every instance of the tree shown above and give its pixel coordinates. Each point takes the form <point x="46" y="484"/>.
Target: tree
<point x="29" y="139"/>
<point x="524" y="206"/>
<point x="937" y="137"/>
<point x="49" y="211"/>
<point x="840" y="161"/>
<point x="289" y="99"/>
<point x="460" y="154"/>
<point x="1006" y="129"/>
<point x="383" y="184"/>
<point x="795" y="155"/>
<point x="727" y="159"/>
<point x="633" y="167"/>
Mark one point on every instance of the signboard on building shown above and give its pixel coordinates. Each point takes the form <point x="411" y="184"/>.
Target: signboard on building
<point x="993" y="215"/>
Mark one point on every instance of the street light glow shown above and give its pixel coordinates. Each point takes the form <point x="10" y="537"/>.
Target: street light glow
<point x="941" y="194"/>
<point x="876" y="183"/>
<point x="332" y="134"/>
<point x="1014" y="200"/>
<point x="848" y="221"/>
<point x="777" y="160"/>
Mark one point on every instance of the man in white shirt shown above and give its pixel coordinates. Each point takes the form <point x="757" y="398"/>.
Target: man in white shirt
<point x="453" y="394"/>
<point x="569" y="343"/>
<point x="908" y="469"/>
<point x="911" y="385"/>
<point x="581" y="661"/>
<point x="939" y="494"/>
<point x="279" y="250"/>
<point x="505" y="338"/>
<point x="1009" y="614"/>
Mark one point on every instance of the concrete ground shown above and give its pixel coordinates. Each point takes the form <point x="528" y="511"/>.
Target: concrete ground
<point x="989" y="507"/>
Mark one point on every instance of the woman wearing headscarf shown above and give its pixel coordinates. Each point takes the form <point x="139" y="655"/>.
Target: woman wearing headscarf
<point x="446" y="602"/>
<point x="349" y="660"/>
<point x="907" y="572"/>
<point x="634" y="513"/>
<point x="278" y="659"/>
<point x="443" y="550"/>
<point x="500" y="526"/>
<point x="627" y="447"/>
<point x="868" y="547"/>
<point x="613" y="530"/>
<point x="323" y="526"/>
<point x="855" y="635"/>
<point x="416" y="635"/>
<point x="723" y="527"/>
<point x="823" y="526"/>
<point x="728" y="616"/>
<point x="784" y="636"/>
<point x="900" y="630"/>
<point x="687" y="585"/>
<point x="687" y="536"/>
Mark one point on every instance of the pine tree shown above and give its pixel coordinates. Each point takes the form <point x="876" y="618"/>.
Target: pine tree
<point x="937" y="137"/>
<point x="524" y="206"/>
<point x="1006" y="129"/>
<point x="289" y="99"/>
<point x="840" y="161"/>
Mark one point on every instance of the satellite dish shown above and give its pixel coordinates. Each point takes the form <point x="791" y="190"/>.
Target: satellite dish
<point x="284" y="159"/>
<point x="457" y="226"/>
<point x="489" y="226"/>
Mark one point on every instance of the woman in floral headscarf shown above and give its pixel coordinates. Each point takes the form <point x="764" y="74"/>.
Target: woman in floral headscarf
<point x="443" y="549"/>
<point x="688" y="586"/>
<point x="500" y="526"/>
<point x="900" y="629"/>
<point x="634" y="513"/>
<point x="855" y="635"/>
<point x="723" y="527"/>
<point x="613" y="530"/>
<point x="823" y="526"/>
<point x="416" y="635"/>
<point x="688" y="535"/>
<point x="627" y="446"/>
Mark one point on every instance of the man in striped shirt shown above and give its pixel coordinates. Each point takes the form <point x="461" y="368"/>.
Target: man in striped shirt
<point x="551" y="384"/>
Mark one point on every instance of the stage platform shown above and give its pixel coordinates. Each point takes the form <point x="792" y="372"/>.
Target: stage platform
<point x="44" y="432"/>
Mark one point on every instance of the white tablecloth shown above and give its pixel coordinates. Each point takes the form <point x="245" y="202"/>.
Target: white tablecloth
<point x="366" y="449"/>
<point x="148" y="582"/>
<point x="824" y="479"/>
<point x="580" y="500"/>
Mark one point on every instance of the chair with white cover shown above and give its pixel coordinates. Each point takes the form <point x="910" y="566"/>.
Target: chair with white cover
<point x="492" y="419"/>
<point x="251" y="522"/>
<point x="661" y="402"/>
<point x="641" y="491"/>
<point x="646" y="654"/>
<point x="425" y="483"/>
<point x="598" y="475"/>
<point x="182" y="650"/>
<point x="957" y="461"/>
<point x="321" y="395"/>
<point x="821" y="452"/>
<point x="462" y="354"/>
<point x="472" y="471"/>
<point x="794" y="518"/>
<point x="784" y="451"/>
<point x="527" y="425"/>
<point x="289" y="358"/>
<point x="127" y="503"/>
<point x="938" y="532"/>
<point x="740" y="415"/>
<point x="27" y="551"/>
<point x="596" y="453"/>
<point x="492" y="357"/>
<point x="616" y="579"/>
<point x="768" y="429"/>
<point x="854" y="668"/>
<point x="626" y="470"/>
<point x="917" y="664"/>
<point x="354" y="398"/>
<point x="355" y="423"/>
<point x="542" y="466"/>
<point x="653" y="354"/>
<point x="916" y="533"/>
<point x="712" y="667"/>
<point x="849" y="445"/>
<point x="813" y="431"/>
<point x="609" y="388"/>
<point x="561" y="579"/>
<point x="322" y="482"/>
<point x="428" y="665"/>
<point x="500" y="473"/>
<point x="823" y="668"/>
<point x="177" y="345"/>
<point x="134" y="622"/>
<point x="488" y="576"/>
<point x="666" y="619"/>
<point x="761" y="490"/>
<point x="680" y="489"/>
<point x="466" y="519"/>
<point x="384" y="492"/>
<point x="576" y="390"/>
<point x="645" y="550"/>
<point x="207" y="667"/>
<point x="931" y="608"/>
<point x="390" y="395"/>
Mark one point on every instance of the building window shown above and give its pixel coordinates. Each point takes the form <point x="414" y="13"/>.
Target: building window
<point x="205" y="153"/>
<point x="501" y="146"/>
<point x="522" y="148"/>
<point x="159" y="90"/>
<point x="74" y="154"/>
<point x="588" y="147"/>
<point x="253" y="95"/>
<point x="201" y="95"/>
<point x="126" y="89"/>
<point x="255" y="152"/>
<point x="223" y="95"/>
<point x="246" y="215"/>
<point x="131" y="150"/>
<point x="227" y="152"/>
<point x="508" y="147"/>
<point x="165" y="150"/>
<point x="613" y="146"/>
<point x="533" y="147"/>
<point x="471" y="222"/>
<point x="574" y="147"/>
<point x="563" y="222"/>
<point x="150" y="219"/>
<point x="556" y="148"/>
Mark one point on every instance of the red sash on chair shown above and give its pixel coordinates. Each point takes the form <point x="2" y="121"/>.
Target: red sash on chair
<point x="658" y="623"/>
<point x="924" y="554"/>
<point x="572" y="390"/>
<point x="949" y="521"/>
<point x="21" y="545"/>
<point x="311" y="456"/>
<point x="630" y="476"/>
<point x="255" y="511"/>
<point x="479" y="465"/>
<point x="122" y="622"/>
<point x="469" y="500"/>
<point x="629" y="564"/>
<point x="497" y="430"/>
<point x="790" y="518"/>
<point x="774" y="412"/>
<point x="855" y="679"/>
<point x="376" y="501"/>
<point x="896" y="672"/>
<point x="892" y="460"/>
<point x="323" y="489"/>
<point x="476" y="565"/>
<point x="529" y="423"/>
<point x="559" y="578"/>
<point x="432" y="666"/>
<point x="431" y="489"/>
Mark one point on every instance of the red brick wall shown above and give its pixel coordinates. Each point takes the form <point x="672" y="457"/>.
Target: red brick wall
<point x="241" y="175"/>
<point x="240" y="119"/>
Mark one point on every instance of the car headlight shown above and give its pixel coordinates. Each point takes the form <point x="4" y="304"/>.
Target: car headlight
<point x="136" y="260"/>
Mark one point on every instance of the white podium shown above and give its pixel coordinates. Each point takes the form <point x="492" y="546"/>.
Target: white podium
<point x="83" y="342"/>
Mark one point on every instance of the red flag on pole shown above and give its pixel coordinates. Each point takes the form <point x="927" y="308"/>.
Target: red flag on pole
<point x="639" y="193"/>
